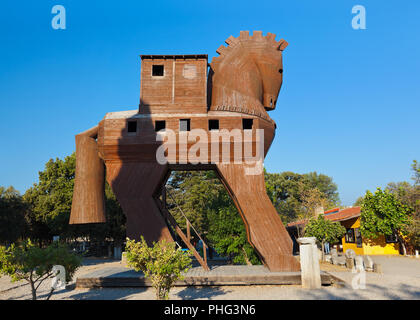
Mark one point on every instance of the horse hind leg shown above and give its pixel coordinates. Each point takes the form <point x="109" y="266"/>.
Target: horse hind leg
<point x="134" y="185"/>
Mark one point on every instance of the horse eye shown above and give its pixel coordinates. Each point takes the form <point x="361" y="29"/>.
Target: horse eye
<point x="281" y="70"/>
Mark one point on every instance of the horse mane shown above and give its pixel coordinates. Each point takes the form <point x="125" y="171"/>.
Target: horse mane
<point x="246" y="42"/>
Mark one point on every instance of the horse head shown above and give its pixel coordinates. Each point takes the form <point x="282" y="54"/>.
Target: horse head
<point x="248" y="73"/>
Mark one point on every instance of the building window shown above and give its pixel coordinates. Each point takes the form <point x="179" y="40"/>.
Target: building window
<point x="350" y="235"/>
<point x="184" y="125"/>
<point x="391" y="238"/>
<point x="160" y="125"/>
<point x="247" y="124"/>
<point x="132" y="126"/>
<point x="358" y="236"/>
<point x="157" y="70"/>
<point x="189" y="71"/>
<point x="213" y="125"/>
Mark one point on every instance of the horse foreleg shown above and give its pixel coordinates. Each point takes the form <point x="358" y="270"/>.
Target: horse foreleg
<point x="88" y="204"/>
<point x="265" y="231"/>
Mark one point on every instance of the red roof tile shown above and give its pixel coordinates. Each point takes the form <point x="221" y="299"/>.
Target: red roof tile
<point x="332" y="210"/>
<point x="341" y="215"/>
<point x="296" y="223"/>
<point x="344" y="214"/>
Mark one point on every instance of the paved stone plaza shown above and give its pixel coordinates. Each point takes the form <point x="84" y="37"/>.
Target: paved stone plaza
<point x="400" y="280"/>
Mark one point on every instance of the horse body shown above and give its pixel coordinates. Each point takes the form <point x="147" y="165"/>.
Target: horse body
<point x="242" y="85"/>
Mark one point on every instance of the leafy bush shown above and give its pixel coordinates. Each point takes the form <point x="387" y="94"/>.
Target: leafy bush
<point x="162" y="263"/>
<point x="324" y="231"/>
<point x="33" y="264"/>
<point x="383" y="213"/>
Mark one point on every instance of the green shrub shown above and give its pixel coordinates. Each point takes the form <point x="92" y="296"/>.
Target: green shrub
<point x="162" y="263"/>
<point x="324" y="231"/>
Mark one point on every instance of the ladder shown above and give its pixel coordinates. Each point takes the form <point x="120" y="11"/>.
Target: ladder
<point x="185" y="238"/>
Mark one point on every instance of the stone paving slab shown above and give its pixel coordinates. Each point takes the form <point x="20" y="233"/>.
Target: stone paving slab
<point x="197" y="276"/>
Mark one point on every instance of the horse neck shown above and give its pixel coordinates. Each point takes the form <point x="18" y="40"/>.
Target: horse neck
<point x="237" y="85"/>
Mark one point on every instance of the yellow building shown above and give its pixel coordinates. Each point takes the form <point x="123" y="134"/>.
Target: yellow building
<point x="350" y="219"/>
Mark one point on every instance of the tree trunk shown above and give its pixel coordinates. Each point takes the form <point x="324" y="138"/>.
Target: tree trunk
<point x="401" y="241"/>
<point x="31" y="282"/>
<point x="33" y="290"/>
<point x="50" y="294"/>
<point x="249" y="263"/>
<point x="322" y="250"/>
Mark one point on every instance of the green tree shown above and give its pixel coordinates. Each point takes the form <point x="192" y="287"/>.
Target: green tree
<point x="325" y="185"/>
<point x="311" y="200"/>
<point x="284" y="190"/>
<point x="358" y="202"/>
<point x="324" y="230"/>
<point x="413" y="232"/>
<point x="414" y="228"/>
<point x="12" y="215"/>
<point x="228" y="235"/>
<point x="409" y="194"/>
<point x="415" y="166"/>
<point x="293" y="194"/>
<point x="34" y="264"/>
<point x="163" y="263"/>
<point x="383" y="213"/>
<point x="50" y="200"/>
<point x="196" y="193"/>
<point x="405" y="192"/>
<point x="208" y="206"/>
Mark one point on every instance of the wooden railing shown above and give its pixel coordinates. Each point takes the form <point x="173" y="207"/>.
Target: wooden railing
<point x="185" y="238"/>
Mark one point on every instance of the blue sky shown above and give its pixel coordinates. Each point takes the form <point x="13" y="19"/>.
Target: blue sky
<point x="349" y="106"/>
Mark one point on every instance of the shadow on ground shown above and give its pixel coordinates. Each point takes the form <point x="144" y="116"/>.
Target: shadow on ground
<point x="191" y="293"/>
<point x="107" y="294"/>
<point x="90" y="261"/>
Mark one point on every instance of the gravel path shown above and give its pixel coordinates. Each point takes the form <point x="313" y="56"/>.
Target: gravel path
<point x="400" y="280"/>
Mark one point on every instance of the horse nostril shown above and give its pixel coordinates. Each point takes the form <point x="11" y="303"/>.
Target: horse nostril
<point x="280" y="70"/>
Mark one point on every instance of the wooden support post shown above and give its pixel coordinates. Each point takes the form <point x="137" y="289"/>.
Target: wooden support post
<point x="205" y="253"/>
<point x="188" y="232"/>
<point x="164" y="196"/>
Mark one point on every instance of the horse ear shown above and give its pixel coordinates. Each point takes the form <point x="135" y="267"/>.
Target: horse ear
<point x="283" y="44"/>
<point x="231" y="41"/>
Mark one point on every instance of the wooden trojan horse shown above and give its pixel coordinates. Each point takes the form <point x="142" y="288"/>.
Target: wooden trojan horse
<point x="196" y="119"/>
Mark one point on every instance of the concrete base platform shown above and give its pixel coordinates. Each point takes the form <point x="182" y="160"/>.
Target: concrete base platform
<point x="197" y="276"/>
